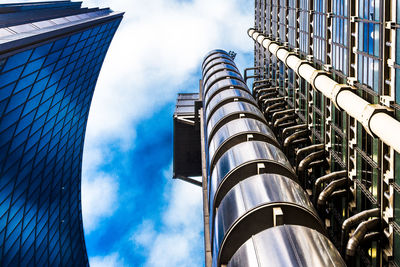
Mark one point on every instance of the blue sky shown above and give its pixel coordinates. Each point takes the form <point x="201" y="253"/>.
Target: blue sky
<point x="134" y="213"/>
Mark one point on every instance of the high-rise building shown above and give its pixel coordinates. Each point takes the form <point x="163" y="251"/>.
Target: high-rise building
<point x="305" y="167"/>
<point x="50" y="57"/>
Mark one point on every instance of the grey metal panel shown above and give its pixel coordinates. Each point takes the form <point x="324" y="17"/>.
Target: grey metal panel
<point x="223" y="85"/>
<point x="231" y="111"/>
<point x="237" y="217"/>
<point x="218" y="68"/>
<point x="216" y="62"/>
<point x="240" y="162"/>
<point x="220" y="76"/>
<point x="287" y="246"/>
<point x="237" y="131"/>
<point x="228" y="96"/>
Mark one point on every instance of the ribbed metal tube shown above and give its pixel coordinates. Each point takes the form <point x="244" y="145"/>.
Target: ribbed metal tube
<point x="287" y="246"/>
<point x="251" y="184"/>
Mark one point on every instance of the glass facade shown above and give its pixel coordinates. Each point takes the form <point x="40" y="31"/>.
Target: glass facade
<point x="357" y="44"/>
<point x="45" y="94"/>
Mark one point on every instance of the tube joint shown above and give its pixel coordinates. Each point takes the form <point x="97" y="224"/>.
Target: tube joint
<point x="369" y="111"/>
<point x="314" y="76"/>
<point x="298" y="65"/>
<point x="336" y="90"/>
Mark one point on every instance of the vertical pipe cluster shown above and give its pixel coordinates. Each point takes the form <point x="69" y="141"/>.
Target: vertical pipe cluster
<point x="255" y="201"/>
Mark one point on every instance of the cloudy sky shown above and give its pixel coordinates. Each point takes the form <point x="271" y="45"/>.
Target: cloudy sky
<point x="134" y="213"/>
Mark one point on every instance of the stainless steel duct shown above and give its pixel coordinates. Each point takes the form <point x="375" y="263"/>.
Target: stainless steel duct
<point x="231" y="111"/>
<point x="252" y="205"/>
<point x="235" y="132"/>
<point x="287" y="246"/>
<point x="226" y="96"/>
<point x="251" y="184"/>
<point x="223" y="85"/>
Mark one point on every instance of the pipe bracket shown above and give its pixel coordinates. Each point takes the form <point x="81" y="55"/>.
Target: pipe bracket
<point x="250" y="32"/>
<point x="286" y="57"/>
<point x="336" y="90"/>
<point x="298" y="65"/>
<point x="263" y="37"/>
<point x="369" y="111"/>
<point x="314" y="76"/>
<point x="266" y="43"/>
<point x="255" y="35"/>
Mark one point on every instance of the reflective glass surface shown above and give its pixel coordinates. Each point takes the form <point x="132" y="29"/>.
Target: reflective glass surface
<point x="319" y="33"/>
<point x="45" y="94"/>
<point x="368" y="47"/>
<point x="340" y="45"/>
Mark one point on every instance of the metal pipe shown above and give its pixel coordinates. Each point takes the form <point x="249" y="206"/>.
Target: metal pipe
<point x="327" y="192"/>
<point x="260" y="92"/>
<point x="372" y="236"/>
<point x="276" y="99"/>
<point x="206" y="212"/>
<point x="371" y="116"/>
<point x="302" y="152"/>
<point x="281" y="113"/>
<point x="386" y="128"/>
<point x="303" y="164"/>
<point x="261" y="86"/>
<point x="266" y="81"/>
<point x="293" y="137"/>
<point x="327" y="178"/>
<point x="353" y="106"/>
<point x="284" y="119"/>
<point x="273" y="106"/>
<point x="287" y="130"/>
<point x="268" y="95"/>
<point x="355" y="219"/>
<point x="339" y="193"/>
<point x="359" y="234"/>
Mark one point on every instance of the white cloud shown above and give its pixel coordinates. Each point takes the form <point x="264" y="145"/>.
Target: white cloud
<point x="156" y="53"/>
<point x="178" y="240"/>
<point x="157" y="49"/>
<point x="99" y="200"/>
<point x="112" y="260"/>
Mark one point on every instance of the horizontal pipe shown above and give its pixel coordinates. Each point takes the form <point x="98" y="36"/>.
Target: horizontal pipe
<point x="387" y="128"/>
<point x="354" y="106"/>
<point x="340" y="94"/>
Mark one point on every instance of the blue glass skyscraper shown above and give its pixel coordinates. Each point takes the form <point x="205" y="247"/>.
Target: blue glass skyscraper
<point x="50" y="57"/>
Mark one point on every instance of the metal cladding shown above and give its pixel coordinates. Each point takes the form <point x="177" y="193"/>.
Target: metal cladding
<point x="301" y="245"/>
<point x="252" y="187"/>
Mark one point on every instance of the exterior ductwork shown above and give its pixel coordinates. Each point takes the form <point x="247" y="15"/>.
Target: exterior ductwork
<point x="325" y="179"/>
<point x="354" y="220"/>
<point x="359" y="235"/>
<point x="374" y="117"/>
<point x="252" y="187"/>
<point x="307" y="247"/>
<point x="329" y="190"/>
